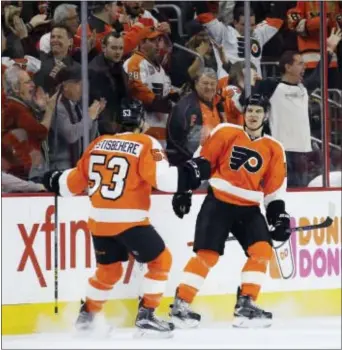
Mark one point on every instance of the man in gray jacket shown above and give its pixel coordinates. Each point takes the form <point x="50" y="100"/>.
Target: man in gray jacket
<point x="67" y="130"/>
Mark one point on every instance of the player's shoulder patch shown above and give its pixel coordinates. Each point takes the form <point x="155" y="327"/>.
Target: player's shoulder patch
<point x="155" y="148"/>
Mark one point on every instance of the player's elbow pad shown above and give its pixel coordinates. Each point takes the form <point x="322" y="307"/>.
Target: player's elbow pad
<point x="191" y="174"/>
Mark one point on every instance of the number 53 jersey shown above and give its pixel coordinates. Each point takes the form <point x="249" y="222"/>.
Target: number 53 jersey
<point x="244" y="171"/>
<point x="119" y="172"/>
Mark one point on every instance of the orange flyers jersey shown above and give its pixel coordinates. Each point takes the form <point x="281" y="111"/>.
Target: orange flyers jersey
<point x="119" y="172"/>
<point x="305" y="20"/>
<point x="244" y="171"/>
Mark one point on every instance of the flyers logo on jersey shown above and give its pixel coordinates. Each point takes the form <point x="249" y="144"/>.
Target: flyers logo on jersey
<point x="255" y="47"/>
<point x="249" y="159"/>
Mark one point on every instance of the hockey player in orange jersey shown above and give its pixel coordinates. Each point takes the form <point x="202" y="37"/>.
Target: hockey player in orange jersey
<point x="119" y="172"/>
<point x="247" y="167"/>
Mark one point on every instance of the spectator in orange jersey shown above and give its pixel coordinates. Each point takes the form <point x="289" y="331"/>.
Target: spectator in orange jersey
<point x="102" y="21"/>
<point x="304" y="19"/>
<point x="193" y="117"/>
<point x="134" y="12"/>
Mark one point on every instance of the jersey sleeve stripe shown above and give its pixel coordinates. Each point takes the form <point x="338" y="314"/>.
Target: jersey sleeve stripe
<point x="167" y="178"/>
<point x="226" y="186"/>
<point x="278" y="194"/>
<point x="197" y="152"/>
<point x="117" y="215"/>
<point x="63" y="184"/>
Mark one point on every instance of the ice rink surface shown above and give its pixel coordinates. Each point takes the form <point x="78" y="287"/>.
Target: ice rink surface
<point x="299" y="333"/>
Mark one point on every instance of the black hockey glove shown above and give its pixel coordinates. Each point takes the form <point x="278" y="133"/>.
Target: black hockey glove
<point x="181" y="203"/>
<point x="282" y="230"/>
<point x="191" y="174"/>
<point x="50" y="180"/>
<point x="280" y="220"/>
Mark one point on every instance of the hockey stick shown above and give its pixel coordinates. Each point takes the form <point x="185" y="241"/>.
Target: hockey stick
<point x="284" y="253"/>
<point x="55" y="266"/>
<point x="326" y="223"/>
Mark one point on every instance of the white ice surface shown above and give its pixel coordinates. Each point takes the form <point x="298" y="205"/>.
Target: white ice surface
<point x="299" y="333"/>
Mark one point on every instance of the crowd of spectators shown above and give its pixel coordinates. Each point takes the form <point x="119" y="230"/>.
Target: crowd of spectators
<point x="132" y="54"/>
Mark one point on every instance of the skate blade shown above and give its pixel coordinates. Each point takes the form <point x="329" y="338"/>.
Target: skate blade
<point x="184" y="324"/>
<point x="152" y="334"/>
<point x="244" y="322"/>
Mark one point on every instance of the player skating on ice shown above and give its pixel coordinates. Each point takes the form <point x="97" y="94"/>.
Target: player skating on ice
<point x="119" y="172"/>
<point x="247" y="168"/>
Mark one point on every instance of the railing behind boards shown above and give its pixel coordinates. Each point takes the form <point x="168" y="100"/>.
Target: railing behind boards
<point x="178" y="19"/>
<point x="335" y="114"/>
<point x="270" y="69"/>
